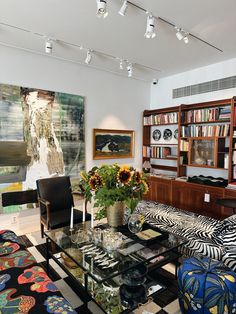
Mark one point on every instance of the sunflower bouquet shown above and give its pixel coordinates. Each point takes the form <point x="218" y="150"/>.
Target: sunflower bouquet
<point x="113" y="183"/>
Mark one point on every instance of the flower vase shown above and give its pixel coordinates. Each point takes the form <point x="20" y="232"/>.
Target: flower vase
<point x="115" y="214"/>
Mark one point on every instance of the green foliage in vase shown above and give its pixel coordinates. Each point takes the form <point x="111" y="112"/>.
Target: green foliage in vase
<point x="113" y="183"/>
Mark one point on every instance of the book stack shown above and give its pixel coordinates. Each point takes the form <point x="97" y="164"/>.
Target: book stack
<point x="224" y="113"/>
<point x="231" y="186"/>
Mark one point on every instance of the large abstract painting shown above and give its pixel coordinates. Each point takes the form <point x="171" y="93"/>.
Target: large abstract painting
<point x="41" y="135"/>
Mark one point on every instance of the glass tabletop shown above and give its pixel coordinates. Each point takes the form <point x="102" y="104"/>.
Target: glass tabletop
<point x="104" y="253"/>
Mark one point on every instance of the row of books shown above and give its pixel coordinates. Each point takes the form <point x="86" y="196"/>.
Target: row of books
<point x="205" y="115"/>
<point x="157" y="152"/>
<point x="205" y="130"/>
<point x="184" y="146"/>
<point x="163" y="118"/>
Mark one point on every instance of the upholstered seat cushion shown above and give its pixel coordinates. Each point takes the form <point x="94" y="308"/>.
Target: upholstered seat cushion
<point x="62" y="218"/>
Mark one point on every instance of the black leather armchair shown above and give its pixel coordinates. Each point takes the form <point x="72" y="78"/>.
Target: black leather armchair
<point x="55" y="202"/>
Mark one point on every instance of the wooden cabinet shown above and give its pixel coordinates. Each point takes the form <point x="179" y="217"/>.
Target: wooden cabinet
<point x="189" y="196"/>
<point x="160" y="190"/>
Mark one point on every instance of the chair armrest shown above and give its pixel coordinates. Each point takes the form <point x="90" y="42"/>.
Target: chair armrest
<point x="47" y="205"/>
<point x="43" y="201"/>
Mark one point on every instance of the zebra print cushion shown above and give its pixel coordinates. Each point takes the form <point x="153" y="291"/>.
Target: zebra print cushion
<point x="225" y="234"/>
<point x="198" y="229"/>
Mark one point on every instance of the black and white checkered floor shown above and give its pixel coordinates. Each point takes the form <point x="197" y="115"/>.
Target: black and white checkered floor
<point x="165" y="303"/>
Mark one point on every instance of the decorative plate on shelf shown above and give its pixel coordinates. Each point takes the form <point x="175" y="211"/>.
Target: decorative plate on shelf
<point x="176" y="134"/>
<point x="156" y="135"/>
<point x="167" y="135"/>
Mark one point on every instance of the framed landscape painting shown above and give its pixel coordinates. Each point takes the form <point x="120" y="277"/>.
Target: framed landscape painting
<point x="113" y="144"/>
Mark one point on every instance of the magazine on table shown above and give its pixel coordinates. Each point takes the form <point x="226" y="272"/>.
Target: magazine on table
<point x="147" y="253"/>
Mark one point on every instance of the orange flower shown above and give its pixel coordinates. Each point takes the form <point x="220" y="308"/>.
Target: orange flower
<point x="95" y="182"/>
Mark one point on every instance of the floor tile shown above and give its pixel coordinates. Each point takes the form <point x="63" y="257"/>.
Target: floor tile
<point x="68" y="293"/>
<point x="173" y="308"/>
<point x="37" y="255"/>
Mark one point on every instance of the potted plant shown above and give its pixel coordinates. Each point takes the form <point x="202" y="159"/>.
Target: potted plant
<point x="113" y="187"/>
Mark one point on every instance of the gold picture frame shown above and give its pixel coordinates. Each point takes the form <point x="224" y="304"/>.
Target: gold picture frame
<point x="108" y="144"/>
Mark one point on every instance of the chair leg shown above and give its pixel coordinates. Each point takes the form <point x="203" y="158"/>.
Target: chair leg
<point x="42" y="230"/>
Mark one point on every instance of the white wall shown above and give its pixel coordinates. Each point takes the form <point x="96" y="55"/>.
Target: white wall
<point x="111" y="102"/>
<point x="161" y="94"/>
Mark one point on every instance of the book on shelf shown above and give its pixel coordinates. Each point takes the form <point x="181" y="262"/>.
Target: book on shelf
<point x="205" y="130"/>
<point x="226" y="161"/>
<point x="162" y="118"/>
<point x="234" y="157"/>
<point x="205" y="115"/>
<point x="184" y="146"/>
<point x="156" y="151"/>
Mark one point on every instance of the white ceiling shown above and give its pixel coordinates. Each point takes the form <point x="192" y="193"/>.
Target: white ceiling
<point x="75" y="21"/>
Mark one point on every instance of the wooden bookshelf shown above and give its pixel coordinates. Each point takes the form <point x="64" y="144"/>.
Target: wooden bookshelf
<point x="158" y="150"/>
<point x="206" y="140"/>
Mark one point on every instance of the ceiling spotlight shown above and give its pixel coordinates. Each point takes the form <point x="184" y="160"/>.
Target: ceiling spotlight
<point x="88" y="57"/>
<point x="124" y="8"/>
<point x="179" y="33"/>
<point x="48" y="46"/>
<point x="186" y="39"/>
<point x="130" y="69"/>
<point x="102" y="8"/>
<point x="150" y="33"/>
<point x="121" y="64"/>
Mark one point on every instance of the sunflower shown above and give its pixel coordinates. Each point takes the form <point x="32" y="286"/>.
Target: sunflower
<point x="95" y="182"/>
<point x="124" y="175"/>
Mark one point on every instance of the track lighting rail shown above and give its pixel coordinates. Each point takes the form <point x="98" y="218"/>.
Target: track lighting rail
<point x="173" y="25"/>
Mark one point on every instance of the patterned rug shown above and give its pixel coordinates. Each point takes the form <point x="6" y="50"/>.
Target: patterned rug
<point x="165" y="303"/>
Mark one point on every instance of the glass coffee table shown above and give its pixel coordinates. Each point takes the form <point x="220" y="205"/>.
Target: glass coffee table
<point x="112" y="269"/>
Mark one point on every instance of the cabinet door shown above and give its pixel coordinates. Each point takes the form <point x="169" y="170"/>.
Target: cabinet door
<point x="181" y="195"/>
<point x="160" y="190"/>
<point x="203" y="200"/>
<point x="192" y="197"/>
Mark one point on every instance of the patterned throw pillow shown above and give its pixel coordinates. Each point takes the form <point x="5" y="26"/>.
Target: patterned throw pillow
<point x="225" y="233"/>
